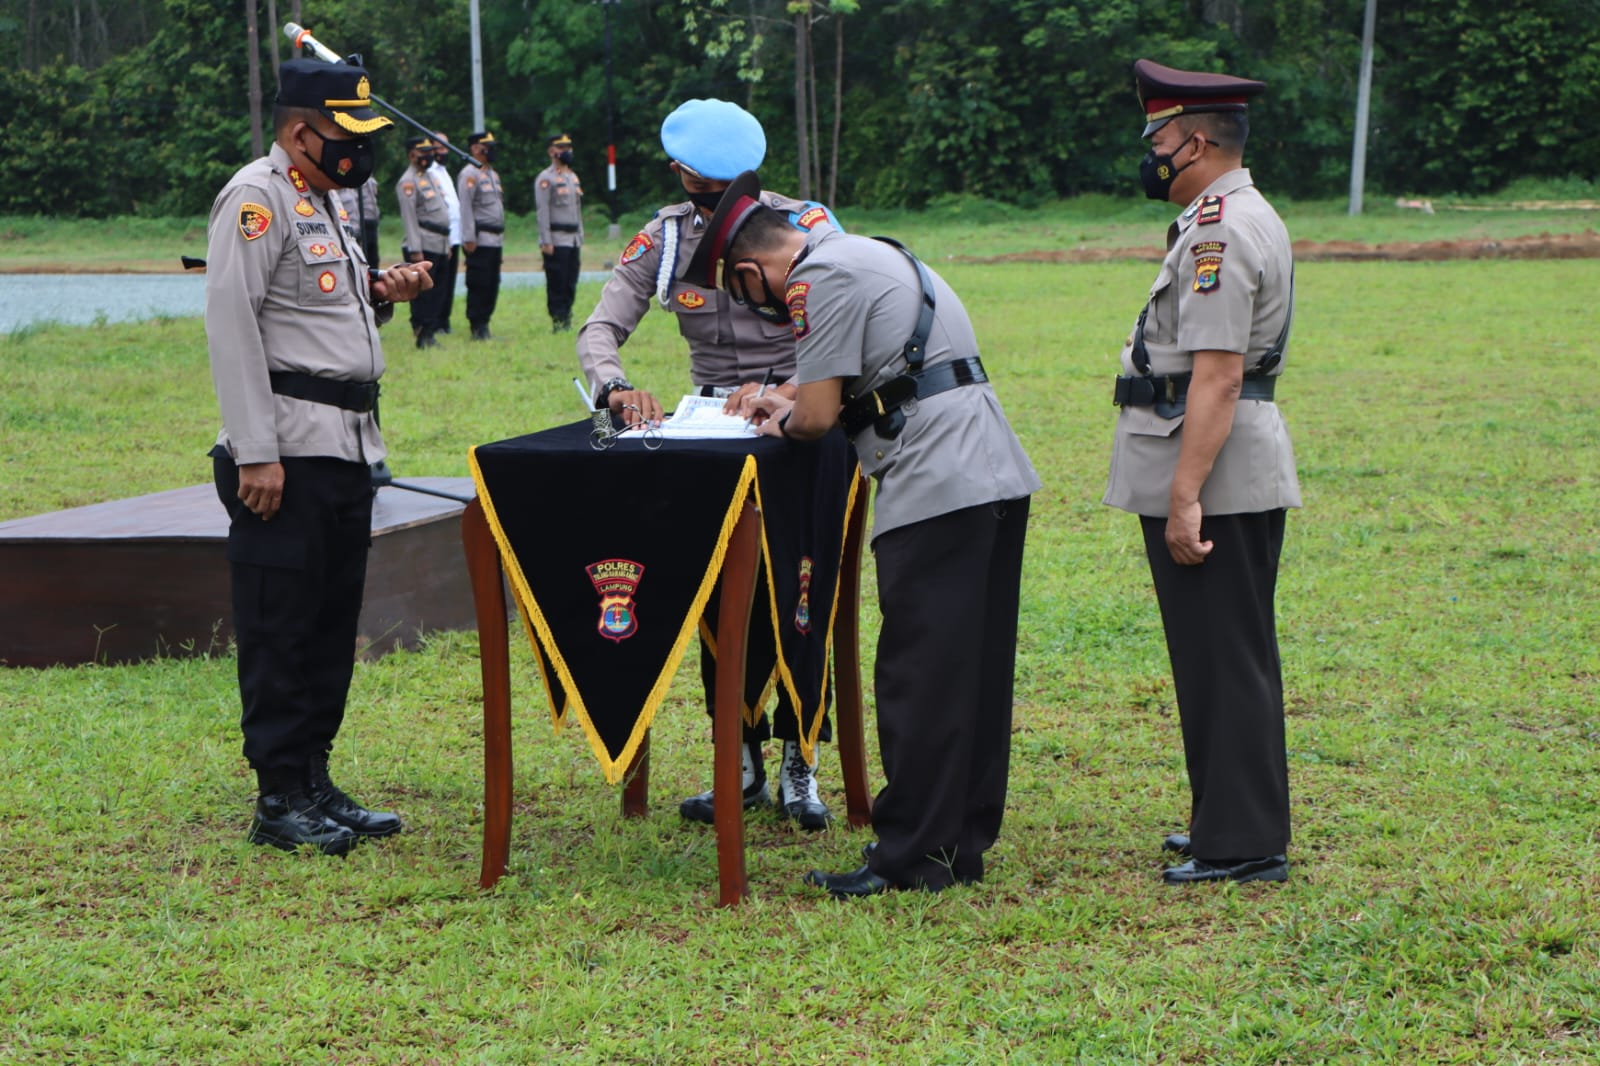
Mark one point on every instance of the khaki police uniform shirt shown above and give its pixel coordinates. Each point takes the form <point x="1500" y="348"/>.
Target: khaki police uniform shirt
<point x="728" y="345"/>
<point x="854" y="302"/>
<point x="558" y="201"/>
<point x="362" y="203"/>
<point x="286" y="289"/>
<point x="1224" y="286"/>
<point x="482" y="203"/>
<point x="423" y="205"/>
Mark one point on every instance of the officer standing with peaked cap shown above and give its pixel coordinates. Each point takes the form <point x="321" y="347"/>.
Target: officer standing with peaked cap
<point x="292" y="331"/>
<point x="440" y="173"/>
<point x="889" y="340"/>
<point x="708" y="143"/>
<point x="483" y="227"/>
<point x="558" y="207"/>
<point x="425" y="216"/>
<point x="1202" y="455"/>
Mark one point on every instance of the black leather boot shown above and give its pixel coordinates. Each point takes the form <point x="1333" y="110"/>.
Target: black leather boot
<point x="344" y="810"/>
<point x="287" y="817"/>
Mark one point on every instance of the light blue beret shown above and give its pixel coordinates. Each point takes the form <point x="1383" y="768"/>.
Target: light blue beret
<point x="714" y="138"/>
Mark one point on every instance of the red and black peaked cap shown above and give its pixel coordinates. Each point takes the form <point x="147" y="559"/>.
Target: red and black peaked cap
<point x="1166" y="93"/>
<point x="740" y="200"/>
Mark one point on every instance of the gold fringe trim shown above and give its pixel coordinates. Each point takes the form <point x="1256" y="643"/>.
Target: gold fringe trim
<point x="540" y="632"/>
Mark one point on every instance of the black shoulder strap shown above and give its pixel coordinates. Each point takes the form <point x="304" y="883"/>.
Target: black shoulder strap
<point x="1141" y="356"/>
<point x="917" y="347"/>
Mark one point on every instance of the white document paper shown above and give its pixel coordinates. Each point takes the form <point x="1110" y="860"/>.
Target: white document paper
<point x="701" y="418"/>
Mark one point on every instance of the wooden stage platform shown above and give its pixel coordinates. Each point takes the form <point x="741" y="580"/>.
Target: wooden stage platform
<point x="135" y="578"/>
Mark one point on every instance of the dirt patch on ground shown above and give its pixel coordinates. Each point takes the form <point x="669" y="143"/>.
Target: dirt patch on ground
<point x="1585" y="245"/>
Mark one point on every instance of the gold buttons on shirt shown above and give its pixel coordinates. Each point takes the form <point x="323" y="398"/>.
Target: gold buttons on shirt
<point x="880" y="455"/>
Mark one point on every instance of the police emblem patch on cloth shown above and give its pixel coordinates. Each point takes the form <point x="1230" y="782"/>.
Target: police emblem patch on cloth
<point x="1208" y="273"/>
<point x="1210" y="211"/>
<point x="691" y="299"/>
<point x="319" y="250"/>
<point x="253" y="220"/>
<point x="298" y="180"/>
<point x="802" y="610"/>
<point x="344" y="216"/>
<point x="327" y="281"/>
<point x="616" y="580"/>
<point x="636" y="248"/>
<point x="795" y="297"/>
<point x="303" y="206"/>
<point x="408" y="189"/>
<point x="810" y="218"/>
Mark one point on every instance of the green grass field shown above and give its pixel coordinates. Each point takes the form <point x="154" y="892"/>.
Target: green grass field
<point x="1439" y="629"/>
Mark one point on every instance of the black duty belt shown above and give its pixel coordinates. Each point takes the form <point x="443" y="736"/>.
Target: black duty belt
<point x="487" y="228"/>
<point x="359" y="396"/>
<point x="1167" y="392"/>
<point x="564" y="227"/>
<point x="886" y="399"/>
<point x="434" y="227"/>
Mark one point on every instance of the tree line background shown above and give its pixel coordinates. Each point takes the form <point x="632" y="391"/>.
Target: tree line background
<point x="143" y="106"/>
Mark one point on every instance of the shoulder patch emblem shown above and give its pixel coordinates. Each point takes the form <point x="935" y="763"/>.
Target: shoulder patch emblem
<point x="472" y="183"/>
<point x="1199" y="248"/>
<point x="253" y="220"/>
<point x="811" y="217"/>
<point x="408" y="189"/>
<point x="691" y="299"/>
<point x="545" y="184"/>
<point x="298" y="180"/>
<point x="636" y="248"/>
<point x="795" y="297"/>
<point x="303" y="206"/>
<point x="616" y="580"/>
<point x="1210" y="211"/>
<point x="327" y="281"/>
<point x="1208" y="273"/>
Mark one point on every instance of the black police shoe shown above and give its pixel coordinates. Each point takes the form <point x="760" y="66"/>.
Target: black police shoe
<point x="1178" y="842"/>
<point x="699" y="809"/>
<point x="342" y="809"/>
<point x="1266" y="868"/>
<point x="858" y="882"/>
<point x="426" y="340"/>
<point x="287" y="820"/>
<point x="480" y="333"/>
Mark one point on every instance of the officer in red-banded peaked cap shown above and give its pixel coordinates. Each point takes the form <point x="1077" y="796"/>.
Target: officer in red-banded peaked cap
<point x="1202" y="455"/>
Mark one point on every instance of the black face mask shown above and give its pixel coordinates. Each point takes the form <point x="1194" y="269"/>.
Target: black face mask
<point x="564" y="158"/>
<point x="347" y="164"/>
<point x="706" y="201"/>
<point x="488" y="154"/>
<point x="1156" y="172"/>
<point x="770" y="307"/>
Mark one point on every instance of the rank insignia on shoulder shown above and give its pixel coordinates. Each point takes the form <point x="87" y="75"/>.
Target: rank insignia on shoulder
<point x="691" y="299"/>
<point x="811" y="217"/>
<point x="253" y="220"/>
<point x="795" y="297"/>
<point x="1208" y="273"/>
<point x="327" y="281"/>
<point x="636" y="248"/>
<point x="298" y="180"/>
<point x="303" y="206"/>
<point x="1210" y="211"/>
<point x="616" y="581"/>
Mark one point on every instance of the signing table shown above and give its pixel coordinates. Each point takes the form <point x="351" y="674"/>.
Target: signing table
<point x="613" y="556"/>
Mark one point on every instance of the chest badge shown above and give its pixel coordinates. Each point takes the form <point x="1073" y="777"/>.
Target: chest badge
<point x="253" y="220"/>
<point x="319" y="250"/>
<point x="328" y="281"/>
<point x="691" y="299"/>
<point x="303" y="207"/>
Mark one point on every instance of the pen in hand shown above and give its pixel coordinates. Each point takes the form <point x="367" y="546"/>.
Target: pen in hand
<point x="765" y="381"/>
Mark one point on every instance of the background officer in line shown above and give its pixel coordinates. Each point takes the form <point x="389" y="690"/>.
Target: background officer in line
<point x="362" y="207"/>
<point x="452" y="264"/>
<point x="292" y="331"/>
<point x="709" y="142"/>
<point x="483" y="225"/>
<point x="558" y="206"/>
<point x="1202" y="455"/>
<point x="949" y="522"/>
<point x="425" y="214"/>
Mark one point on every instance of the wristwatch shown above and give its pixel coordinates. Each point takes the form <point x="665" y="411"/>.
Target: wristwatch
<point x="612" y="386"/>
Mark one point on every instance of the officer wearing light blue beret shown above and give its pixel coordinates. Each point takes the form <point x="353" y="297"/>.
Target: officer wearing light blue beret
<point x="708" y="143"/>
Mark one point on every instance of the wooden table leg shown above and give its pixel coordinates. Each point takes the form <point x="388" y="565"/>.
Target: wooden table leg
<point x="636" y="782"/>
<point x="727" y="729"/>
<point x="489" y="600"/>
<point x="847" y="666"/>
